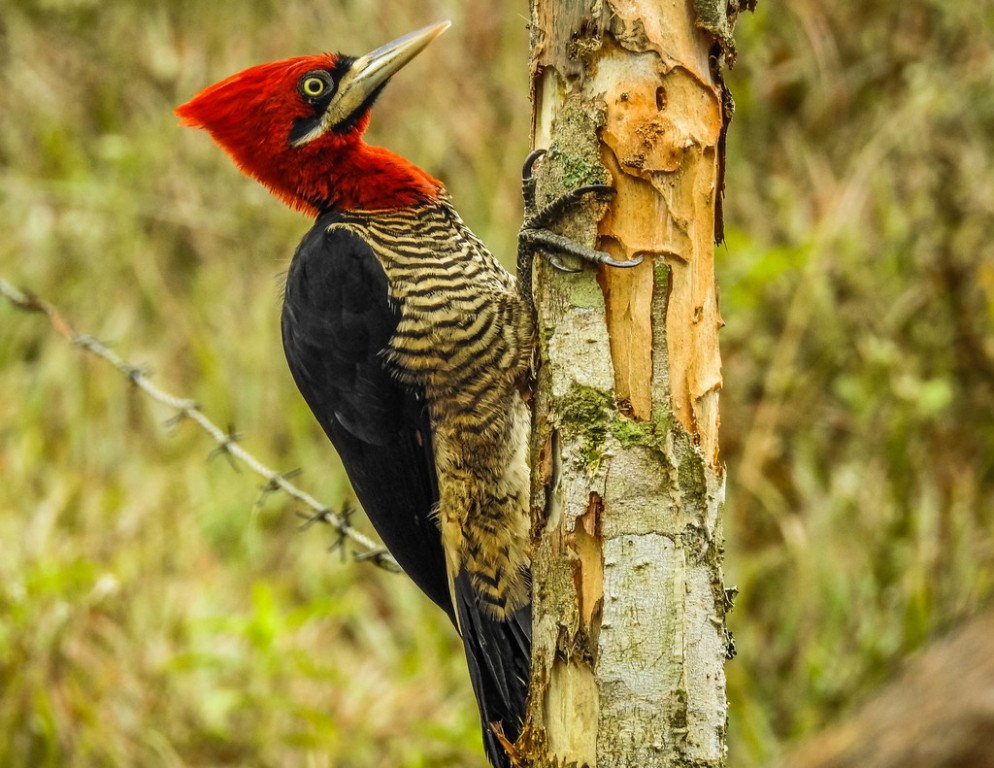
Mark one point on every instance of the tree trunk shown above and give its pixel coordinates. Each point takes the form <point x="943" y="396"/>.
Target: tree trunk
<point x="629" y="607"/>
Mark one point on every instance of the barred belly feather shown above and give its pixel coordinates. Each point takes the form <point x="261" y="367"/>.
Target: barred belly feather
<point x="465" y="337"/>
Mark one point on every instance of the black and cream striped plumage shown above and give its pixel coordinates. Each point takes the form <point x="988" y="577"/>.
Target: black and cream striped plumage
<point x="464" y="336"/>
<point x="412" y="345"/>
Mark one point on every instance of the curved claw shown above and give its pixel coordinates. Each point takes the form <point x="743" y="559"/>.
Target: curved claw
<point x="593" y="189"/>
<point x="612" y="262"/>
<point x="558" y="265"/>
<point x="530" y="160"/>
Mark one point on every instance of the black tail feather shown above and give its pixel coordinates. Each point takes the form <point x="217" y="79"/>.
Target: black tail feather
<point x="499" y="657"/>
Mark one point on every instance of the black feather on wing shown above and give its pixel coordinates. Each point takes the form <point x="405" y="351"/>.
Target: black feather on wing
<point x="337" y="319"/>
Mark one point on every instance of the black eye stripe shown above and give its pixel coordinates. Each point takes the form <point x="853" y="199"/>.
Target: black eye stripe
<point x="303" y="126"/>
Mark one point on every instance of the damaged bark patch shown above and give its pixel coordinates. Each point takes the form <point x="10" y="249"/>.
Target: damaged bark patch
<point x="586" y="541"/>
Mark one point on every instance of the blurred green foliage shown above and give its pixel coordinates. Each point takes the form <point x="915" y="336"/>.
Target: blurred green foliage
<point x="152" y="613"/>
<point x="858" y="286"/>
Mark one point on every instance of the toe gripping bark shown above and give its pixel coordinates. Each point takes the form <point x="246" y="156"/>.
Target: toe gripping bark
<point x="535" y="234"/>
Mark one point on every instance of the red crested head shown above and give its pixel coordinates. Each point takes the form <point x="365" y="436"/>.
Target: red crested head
<point x="296" y="126"/>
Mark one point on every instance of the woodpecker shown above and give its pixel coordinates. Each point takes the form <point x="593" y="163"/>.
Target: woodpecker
<point x="410" y="343"/>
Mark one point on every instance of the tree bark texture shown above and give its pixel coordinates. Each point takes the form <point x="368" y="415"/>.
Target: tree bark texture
<point x="629" y="606"/>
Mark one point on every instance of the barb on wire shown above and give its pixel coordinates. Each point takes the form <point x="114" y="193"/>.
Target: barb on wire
<point x="346" y="514"/>
<point x="362" y="546"/>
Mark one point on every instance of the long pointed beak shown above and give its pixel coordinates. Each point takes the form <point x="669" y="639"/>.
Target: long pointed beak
<point x="376" y="67"/>
<point x="370" y="72"/>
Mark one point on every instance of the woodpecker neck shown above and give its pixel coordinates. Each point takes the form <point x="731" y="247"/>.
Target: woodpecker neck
<point x="353" y="177"/>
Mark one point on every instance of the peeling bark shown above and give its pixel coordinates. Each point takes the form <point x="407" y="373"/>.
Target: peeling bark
<point x="629" y="607"/>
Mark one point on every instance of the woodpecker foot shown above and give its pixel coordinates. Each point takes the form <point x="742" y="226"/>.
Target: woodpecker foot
<point x="536" y="235"/>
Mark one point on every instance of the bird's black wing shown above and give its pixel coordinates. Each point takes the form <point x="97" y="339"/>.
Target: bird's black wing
<point x="337" y="319"/>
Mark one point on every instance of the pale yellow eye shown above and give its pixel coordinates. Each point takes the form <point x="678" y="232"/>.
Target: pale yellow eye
<point x="313" y="86"/>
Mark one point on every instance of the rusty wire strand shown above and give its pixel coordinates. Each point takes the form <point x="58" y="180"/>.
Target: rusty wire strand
<point x="364" y="548"/>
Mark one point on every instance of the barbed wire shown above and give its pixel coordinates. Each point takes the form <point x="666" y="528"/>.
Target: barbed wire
<point x="363" y="548"/>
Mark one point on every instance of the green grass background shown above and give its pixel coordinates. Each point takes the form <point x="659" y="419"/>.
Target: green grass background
<point x="152" y="613"/>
